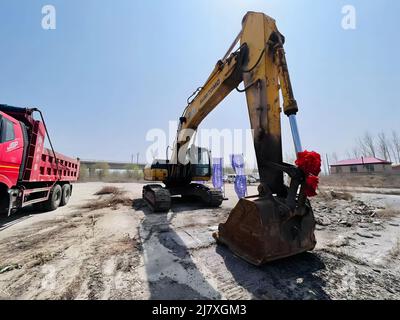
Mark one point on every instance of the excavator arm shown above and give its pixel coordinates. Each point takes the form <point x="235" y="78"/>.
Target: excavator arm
<point x="261" y="64"/>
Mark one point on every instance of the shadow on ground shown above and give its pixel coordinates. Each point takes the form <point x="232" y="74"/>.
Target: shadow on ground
<point x="180" y="204"/>
<point x="20" y="215"/>
<point x="174" y="275"/>
<point x="171" y="272"/>
<point x="293" y="278"/>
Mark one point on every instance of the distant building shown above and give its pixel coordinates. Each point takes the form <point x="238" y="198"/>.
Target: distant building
<point x="362" y="165"/>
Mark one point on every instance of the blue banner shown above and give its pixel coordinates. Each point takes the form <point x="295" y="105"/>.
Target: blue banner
<point x="217" y="176"/>
<point x="237" y="162"/>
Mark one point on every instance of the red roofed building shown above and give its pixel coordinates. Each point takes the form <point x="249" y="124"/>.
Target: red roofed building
<point x="362" y="165"/>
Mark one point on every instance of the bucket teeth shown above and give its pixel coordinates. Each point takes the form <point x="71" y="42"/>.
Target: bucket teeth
<point x="262" y="230"/>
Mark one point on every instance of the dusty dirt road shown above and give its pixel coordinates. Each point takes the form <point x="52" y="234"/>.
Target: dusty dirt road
<point x="126" y="252"/>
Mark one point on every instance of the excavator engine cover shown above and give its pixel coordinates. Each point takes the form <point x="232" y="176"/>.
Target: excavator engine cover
<point x="262" y="229"/>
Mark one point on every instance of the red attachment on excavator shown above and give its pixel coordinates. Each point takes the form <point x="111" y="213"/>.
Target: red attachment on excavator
<point x="310" y="163"/>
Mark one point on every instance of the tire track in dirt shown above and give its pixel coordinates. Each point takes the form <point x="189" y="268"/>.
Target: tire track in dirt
<point x="65" y="259"/>
<point x="316" y="275"/>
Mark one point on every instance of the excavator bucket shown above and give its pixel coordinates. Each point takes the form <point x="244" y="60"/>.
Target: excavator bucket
<point x="260" y="230"/>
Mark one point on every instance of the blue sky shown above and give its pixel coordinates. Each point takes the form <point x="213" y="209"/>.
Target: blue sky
<point x="112" y="70"/>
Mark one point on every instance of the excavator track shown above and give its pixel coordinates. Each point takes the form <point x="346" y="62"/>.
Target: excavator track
<point x="216" y="198"/>
<point x="209" y="196"/>
<point x="157" y="197"/>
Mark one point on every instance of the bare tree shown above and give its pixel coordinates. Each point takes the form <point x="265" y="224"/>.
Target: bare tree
<point x="368" y="145"/>
<point x="363" y="148"/>
<point x="83" y="172"/>
<point x="334" y="157"/>
<point x="383" y="146"/>
<point x="392" y="150"/>
<point x="386" y="147"/>
<point x="102" y="170"/>
<point x="396" y="146"/>
<point x="356" y="153"/>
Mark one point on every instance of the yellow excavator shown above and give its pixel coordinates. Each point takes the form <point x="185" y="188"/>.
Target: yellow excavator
<point x="279" y="221"/>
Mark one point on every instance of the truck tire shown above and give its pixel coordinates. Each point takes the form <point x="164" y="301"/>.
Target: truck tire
<point x="54" y="199"/>
<point x="3" y="208"/>
<point x="4" y="201"/>
<point x="38" y="207"/>
<point x="66" y="194"/>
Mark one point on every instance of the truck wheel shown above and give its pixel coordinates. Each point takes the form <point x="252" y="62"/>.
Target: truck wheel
<point x="54" y="199"/>
<point x="4" y="201"/>
<point x="38" y="206"/>
<point x="66" y="194"/>
<point x="3" y="209"/>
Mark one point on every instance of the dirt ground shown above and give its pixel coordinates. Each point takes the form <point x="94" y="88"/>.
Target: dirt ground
<point x="363" y="180"/>
<point x="123" y="251"/>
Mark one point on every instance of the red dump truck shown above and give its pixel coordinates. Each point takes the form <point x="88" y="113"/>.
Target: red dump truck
<point x="31" y="174"/>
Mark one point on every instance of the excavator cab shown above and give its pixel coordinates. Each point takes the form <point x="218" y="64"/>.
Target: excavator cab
<point x="197" y="167"/>
<point x="200" y="163"/>
<point x="180" y="180"/>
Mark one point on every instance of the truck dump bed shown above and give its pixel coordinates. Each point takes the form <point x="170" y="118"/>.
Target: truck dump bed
<point x="67" y="168"/>
<point x="43" y="165"/>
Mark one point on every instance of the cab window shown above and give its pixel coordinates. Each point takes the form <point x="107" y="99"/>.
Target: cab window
<point x="203" y="157"/>
<point x="7" y="131"/>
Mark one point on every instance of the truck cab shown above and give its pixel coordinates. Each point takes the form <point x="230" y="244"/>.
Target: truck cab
<point x="11" y="150"/>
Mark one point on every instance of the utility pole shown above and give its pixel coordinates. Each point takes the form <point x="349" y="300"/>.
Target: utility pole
<point x="327" y="162"/>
